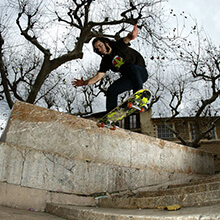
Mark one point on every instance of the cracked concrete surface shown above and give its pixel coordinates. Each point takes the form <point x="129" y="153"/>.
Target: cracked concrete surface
<point x="86" y="213"/>
<point x="56" y="152"/>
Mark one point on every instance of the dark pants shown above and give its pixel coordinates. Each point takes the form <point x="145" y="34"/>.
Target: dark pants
<point x="133" y="77"/>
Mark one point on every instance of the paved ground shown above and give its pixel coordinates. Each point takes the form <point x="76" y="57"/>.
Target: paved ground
<point x="186" y="213"/>
<point x="17" y="214"/>
<point x="204" y="213"/>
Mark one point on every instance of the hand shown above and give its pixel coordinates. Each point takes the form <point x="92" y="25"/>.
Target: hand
<point x="78" y="82"/>
<point x="134" y="33"/>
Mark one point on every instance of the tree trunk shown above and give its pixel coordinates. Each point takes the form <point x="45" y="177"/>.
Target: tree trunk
<point x="3" y="75"/>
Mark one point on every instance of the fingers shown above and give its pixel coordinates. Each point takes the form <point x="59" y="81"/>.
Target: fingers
<point x="74" y="82"/>
<point x="77" y="82"/>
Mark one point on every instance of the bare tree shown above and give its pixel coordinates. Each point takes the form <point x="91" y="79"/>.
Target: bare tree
<point x="197" y="85"/>
<point x="81" y="25"/>
<point x="4" y="18"/>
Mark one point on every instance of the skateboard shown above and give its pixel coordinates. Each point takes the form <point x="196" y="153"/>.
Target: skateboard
<point x="137" y="102"/>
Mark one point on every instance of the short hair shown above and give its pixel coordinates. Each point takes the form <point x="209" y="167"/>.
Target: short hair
<point x="103" y="40"/>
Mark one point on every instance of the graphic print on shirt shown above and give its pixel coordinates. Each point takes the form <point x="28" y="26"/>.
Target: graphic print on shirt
<point x="118" y="61"/>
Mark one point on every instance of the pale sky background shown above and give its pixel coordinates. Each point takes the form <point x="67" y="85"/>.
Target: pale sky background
<point x="206" y="12"/>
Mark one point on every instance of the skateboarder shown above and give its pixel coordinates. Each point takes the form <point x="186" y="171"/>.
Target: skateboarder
<point x="118" y="57"/>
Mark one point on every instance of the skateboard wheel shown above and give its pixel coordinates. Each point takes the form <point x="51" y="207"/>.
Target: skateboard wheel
<point x="102" y="125"/>
<point x="113" y="128"/>
<point x="142" y="109"/>
<point x="129" y="105"/>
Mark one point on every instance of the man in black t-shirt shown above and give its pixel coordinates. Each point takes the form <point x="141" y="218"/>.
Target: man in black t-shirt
<point x="118" y="57"/>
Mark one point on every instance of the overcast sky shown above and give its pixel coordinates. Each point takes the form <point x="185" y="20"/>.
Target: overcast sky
<point x="206" y="12"/>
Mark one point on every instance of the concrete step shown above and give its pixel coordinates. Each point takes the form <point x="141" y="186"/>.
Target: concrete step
<point x="202" y="195"/>
<point x="185" y="200"/>
<point x="186" y="195"/>
<point x="88" y="213"/>
<point x="200" y="180"/>
<point x="183" y="189"/>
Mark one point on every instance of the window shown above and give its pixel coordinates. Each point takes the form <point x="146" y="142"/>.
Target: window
<point x="163" y="132"/>
<point x="210" y="135"/>
<point x="193" y="131"/>
<point x="131" y="122"/>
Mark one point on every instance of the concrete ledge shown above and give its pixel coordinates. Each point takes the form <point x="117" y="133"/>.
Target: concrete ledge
<point x="185" y="200"/>
<point x="54" y="151"/>
<point x="28" y="167"/>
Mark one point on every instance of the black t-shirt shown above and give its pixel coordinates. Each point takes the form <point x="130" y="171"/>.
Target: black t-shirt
<point x="120" y="56"/>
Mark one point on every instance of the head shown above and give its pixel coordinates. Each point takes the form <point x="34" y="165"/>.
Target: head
<point x="99" y="45"/>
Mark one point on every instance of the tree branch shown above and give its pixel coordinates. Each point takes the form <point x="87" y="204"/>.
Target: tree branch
<point x="30" y="26"/>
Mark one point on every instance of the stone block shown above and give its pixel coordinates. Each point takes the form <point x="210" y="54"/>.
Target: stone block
<point x="11" y="164"/>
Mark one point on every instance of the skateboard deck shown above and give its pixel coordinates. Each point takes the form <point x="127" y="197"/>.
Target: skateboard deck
<point x="138" y="101"/>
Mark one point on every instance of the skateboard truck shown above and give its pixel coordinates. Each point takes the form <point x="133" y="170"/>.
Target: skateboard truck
<point x="102" y="125"/>
<point x="131" y="105"/>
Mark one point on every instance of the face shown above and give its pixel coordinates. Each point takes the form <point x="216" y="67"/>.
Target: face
<point x="100" y="46"/>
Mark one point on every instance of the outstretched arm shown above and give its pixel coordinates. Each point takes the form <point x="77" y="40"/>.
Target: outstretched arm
<point x="93" y="80"/>
<point x="132" y="35"/>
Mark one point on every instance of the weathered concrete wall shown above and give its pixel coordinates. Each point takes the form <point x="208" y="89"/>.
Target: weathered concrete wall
<point x="30" y="198"/>
<point x="53" y="151"/>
